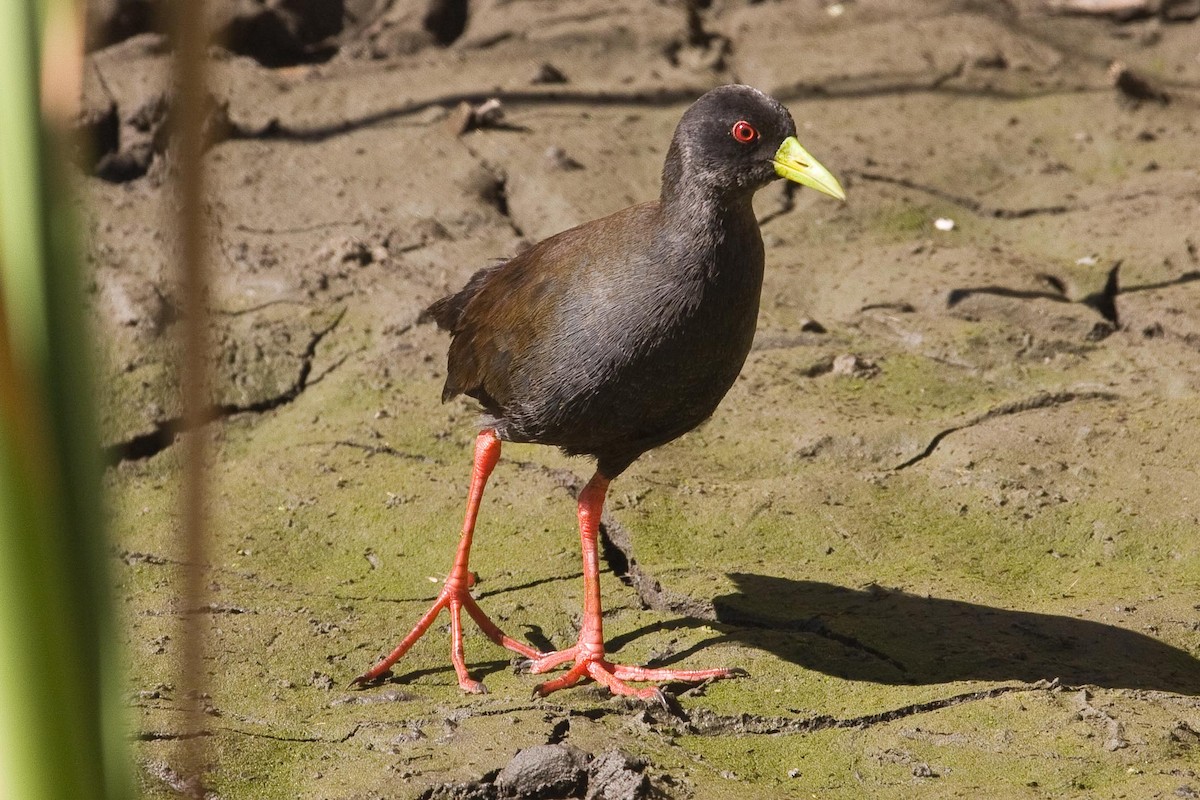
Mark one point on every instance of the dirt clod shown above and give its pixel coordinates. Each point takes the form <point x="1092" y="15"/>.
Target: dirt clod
<point x="544" y="771"/>
<point x="548" y="73"/>
<point x="614" y="775"/>
<point x="851" y="365"/>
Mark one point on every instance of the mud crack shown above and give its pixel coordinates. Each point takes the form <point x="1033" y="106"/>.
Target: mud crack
<point x="703" y="722"/>
<point x="146" y="445"/>
<point x="1104" y="301"/>
<point x="969" y="203"/>
<point x="849" y="88"/>
<point x="381" y="449"/>
<point x="168" y="736"/>
<point x="1039" y="400"/>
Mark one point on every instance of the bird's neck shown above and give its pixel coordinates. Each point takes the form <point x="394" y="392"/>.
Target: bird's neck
<point x="692" y="194"/>
<point x="711" y="222"/>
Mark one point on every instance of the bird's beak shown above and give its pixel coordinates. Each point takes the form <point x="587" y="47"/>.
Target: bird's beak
<point x="793" y="162"/>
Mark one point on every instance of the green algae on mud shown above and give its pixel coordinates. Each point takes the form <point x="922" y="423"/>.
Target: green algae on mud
<point x="869" y="546"/>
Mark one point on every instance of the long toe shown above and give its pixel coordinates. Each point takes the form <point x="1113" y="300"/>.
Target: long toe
<point x="614" y="677"/>
<point x="629" y="673"/>
<point x="472" y="686"/>
<point x="455" y="599"/>
<point x="571" y="677"/>
<point x="548" y="661"/>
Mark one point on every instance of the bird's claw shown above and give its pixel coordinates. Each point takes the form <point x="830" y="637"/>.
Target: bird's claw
<point x="472" y="687"/>
<point x="367" y="679"/>
<point x="664" y="701"/>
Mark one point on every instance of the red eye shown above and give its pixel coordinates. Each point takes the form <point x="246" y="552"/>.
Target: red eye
<point x="744" y="132"/>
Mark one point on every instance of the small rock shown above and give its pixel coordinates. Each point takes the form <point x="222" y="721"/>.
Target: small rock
<point x="1135" y="87"/>
<point x="614" y="775"/>
<point x="853" y="366"/>
<point x="466" y="117"/>
<point x="548" y="73"/>
<point x="1184" y="733"/>
<point x="1100" y="331"/>
<point x="458" y="120"/>
<point x="322" y="681"/>
<point x="922" y="770"/>
<point x="489" y="112"/>
<point x="557" y="158"/>
<point x="547" y="770"/>
<point x="811" y="326"/>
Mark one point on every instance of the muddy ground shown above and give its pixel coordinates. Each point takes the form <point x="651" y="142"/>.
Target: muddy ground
<point x="947" y="519"/>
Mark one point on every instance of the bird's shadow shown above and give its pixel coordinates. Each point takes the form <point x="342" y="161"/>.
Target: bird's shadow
<point x="889" y="636"/>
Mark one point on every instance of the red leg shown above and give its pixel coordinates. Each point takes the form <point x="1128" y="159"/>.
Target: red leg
<point x="588" y="652"/>
<point x="455" y="591"/>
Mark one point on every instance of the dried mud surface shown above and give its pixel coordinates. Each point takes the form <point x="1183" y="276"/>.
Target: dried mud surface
<point x="947" y="518"/>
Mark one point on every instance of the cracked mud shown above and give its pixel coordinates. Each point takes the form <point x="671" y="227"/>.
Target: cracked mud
<point x="946" y="519"/>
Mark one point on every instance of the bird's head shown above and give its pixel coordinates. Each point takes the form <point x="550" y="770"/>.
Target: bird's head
<point x="736" y="139"/>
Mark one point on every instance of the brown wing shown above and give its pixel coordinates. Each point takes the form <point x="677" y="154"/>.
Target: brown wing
<point x="493" y="319"/>
<point x="448" y="311"/>
<point x="504" y="318"/>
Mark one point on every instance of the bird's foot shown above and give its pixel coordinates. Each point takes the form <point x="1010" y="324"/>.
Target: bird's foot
<point x="456" y="597"/>
<point x="591" y="664"/>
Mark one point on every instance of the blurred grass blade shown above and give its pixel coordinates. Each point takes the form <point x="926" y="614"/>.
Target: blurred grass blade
<point x="60" y="730"/>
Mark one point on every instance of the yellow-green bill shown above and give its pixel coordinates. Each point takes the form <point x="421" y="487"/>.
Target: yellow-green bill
<point x="793" y="162"/>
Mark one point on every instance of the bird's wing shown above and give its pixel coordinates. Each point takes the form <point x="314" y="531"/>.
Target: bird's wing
<point x="506" y="316"/>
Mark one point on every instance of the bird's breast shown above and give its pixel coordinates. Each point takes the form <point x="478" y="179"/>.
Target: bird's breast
<point x="665" y="347"/>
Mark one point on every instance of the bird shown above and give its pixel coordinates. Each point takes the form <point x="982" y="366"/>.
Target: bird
<point x="610" y="339"/>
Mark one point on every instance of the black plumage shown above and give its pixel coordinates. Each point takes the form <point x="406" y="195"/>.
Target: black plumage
<point x="615" y="337"/>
